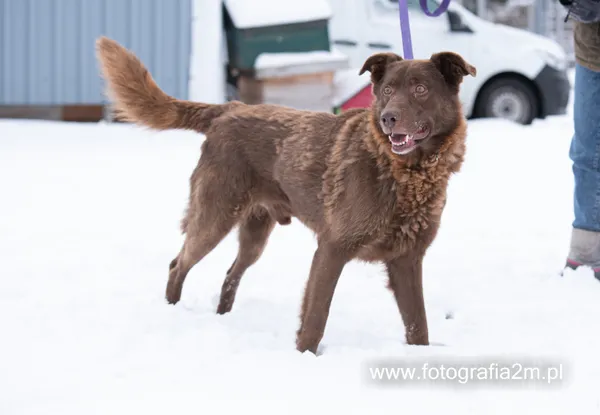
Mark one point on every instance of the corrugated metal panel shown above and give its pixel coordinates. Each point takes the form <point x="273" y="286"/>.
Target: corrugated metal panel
<point x="47" y="47"/>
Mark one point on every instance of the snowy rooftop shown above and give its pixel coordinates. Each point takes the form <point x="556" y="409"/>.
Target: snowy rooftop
<point x="258" y="13"/>
<point x="291" y="63"/>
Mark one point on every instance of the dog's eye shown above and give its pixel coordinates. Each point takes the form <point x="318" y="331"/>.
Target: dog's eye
<point x="387" y="90"/>
<point x="420" y="89"/>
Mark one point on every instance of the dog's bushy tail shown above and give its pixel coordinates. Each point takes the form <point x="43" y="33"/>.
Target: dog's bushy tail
<point x="137" y="98"/>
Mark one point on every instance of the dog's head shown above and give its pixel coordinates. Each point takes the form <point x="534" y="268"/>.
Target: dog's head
<point x="416" y="102"/>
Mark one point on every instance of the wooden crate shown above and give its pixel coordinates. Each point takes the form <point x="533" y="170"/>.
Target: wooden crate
<point x="302" y="82"/>
<point x="307" y="92"/>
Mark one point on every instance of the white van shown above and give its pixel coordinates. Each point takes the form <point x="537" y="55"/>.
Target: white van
<point x="520" y="75"/>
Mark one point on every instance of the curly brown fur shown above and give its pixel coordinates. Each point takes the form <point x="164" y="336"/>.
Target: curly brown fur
<point x="371" y="183"/>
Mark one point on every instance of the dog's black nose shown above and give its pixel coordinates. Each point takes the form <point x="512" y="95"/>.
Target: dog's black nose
<point x="389" y="119"/>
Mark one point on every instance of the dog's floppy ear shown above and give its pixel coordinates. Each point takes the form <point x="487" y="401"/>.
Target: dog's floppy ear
<point x="376" y="65"/>
<point x="453" y="67"/>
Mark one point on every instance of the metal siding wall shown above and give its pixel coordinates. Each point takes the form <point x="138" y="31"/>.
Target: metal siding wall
<point x="3" y="51"/>
<point x="47" y="47"/>
<point x="2" y="29"/>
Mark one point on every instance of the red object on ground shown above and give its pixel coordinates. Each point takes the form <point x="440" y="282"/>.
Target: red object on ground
<point x="362" y="99"/>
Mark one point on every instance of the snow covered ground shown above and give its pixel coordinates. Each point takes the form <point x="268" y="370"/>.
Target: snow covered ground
<point x="89" y="221"/>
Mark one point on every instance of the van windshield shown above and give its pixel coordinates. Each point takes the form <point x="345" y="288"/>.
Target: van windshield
<point x="414" y="4"/>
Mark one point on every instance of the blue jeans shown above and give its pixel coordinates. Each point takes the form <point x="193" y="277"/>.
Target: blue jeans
<point x="585" y="149"/>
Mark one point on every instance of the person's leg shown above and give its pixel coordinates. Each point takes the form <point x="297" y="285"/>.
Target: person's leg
<point x="585" y="154"/>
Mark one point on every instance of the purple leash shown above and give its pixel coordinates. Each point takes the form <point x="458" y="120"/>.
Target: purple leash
<point x="405" y="25"/>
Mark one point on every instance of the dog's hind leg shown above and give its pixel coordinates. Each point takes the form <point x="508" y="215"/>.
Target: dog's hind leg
<point x="253" y="235"/>
<point x="219" y="199"/>
<point x="196" y="246"/>
<point x="212" y="215"/>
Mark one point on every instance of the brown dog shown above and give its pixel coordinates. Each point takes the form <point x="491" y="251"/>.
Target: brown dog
<point x="371" y="183"/>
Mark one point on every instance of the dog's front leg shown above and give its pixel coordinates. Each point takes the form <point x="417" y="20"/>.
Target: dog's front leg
<point x="327" y="265"/>
<point x="406" y="281"/>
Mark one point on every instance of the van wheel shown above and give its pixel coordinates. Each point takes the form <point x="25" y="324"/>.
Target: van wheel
<point x="508" y="98"/>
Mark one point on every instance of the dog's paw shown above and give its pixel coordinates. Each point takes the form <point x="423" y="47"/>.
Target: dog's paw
<point x="305" y="344"/>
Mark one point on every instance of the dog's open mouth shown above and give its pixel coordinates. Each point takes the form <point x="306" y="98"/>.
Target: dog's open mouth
<point x="405" y="143"/>
<point x="402" y="143"/>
